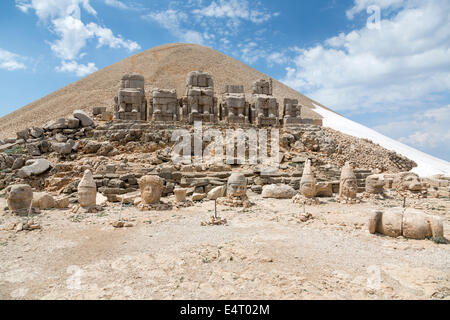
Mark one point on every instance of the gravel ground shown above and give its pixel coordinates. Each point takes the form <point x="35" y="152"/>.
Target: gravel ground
<point x="264" y="252"/>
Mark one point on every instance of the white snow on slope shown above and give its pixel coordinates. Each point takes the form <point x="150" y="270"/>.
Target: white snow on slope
<point x="426" y="165"/>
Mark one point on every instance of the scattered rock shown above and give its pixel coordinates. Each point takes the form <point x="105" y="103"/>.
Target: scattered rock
<point x="34" y="168"/>
<point x="278" y="191"/>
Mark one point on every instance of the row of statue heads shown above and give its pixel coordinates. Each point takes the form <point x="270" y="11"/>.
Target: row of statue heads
<point x="200" y="104"/>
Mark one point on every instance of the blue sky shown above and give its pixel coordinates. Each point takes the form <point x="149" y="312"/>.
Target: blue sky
<point x="382" y="63"/>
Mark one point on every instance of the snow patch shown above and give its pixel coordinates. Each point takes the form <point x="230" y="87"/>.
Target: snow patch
<point x="426" y="165"/>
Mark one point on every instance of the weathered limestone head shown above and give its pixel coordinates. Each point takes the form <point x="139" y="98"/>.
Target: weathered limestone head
<point x="410" y="223"/>
<point x="348" y="187"/>
<point x="375" y="183"/>
<point x="407" y="181"/>
<point x="19" y="197"/>
<point x="237" y="185"/>
<point x="308" y="182"/>
<point x="151" y="189"/>
<point x="87" y="191"/>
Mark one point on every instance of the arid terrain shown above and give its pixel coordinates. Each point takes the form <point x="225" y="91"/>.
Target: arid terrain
<point x="264" y="252"/>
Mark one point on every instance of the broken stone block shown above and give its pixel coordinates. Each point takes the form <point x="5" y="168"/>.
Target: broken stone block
<point x="34" y="168"/>
<point x="85" y="120"/>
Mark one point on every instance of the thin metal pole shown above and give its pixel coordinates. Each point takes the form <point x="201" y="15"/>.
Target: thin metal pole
<point x="215" y="208"/>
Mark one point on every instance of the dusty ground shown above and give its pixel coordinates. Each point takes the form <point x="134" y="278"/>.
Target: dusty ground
<point x="263" y="253"/>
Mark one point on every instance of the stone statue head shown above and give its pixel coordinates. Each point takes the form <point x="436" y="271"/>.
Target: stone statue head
<point x="308" y="183"/>
<point x="151" y="189"/>
<point x="375" y="183"/>
<point x="348" y="183"/>
<point x="87" y="190"/>
<point x="407" y="181"/>
<point x="237" y="185"/>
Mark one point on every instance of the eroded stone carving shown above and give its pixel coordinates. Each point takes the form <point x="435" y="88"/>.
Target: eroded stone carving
<point x="234" y="107"/>
<point x="199" y="104"/>
<point x="87" y="191"/>
<point x="375" y="184"/>
<point x="164" y="105"/>
<point x="348" y="186"/>
<point x="410" y="223"/>
<point x="236" y="191"/>
<point x="407" y="181"/>
<point x="264" y="105"/>
<point x="151" y="189"/>
<point x="130" y="102"/>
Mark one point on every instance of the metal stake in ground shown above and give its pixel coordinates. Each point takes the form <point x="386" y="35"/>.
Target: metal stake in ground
<point x="215" y="208"/>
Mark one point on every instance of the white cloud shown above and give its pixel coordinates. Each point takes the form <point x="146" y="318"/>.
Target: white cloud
<point x="117" y="4"/>
<point x="10" y="61"/>
<point x="404" y="64"/>
<point x="80" y="70"/>
<point x="172" y="20"/>
<point x="362" y="5"/>
<point x="428" y="130"/>
<point x="63" y="18"/>
<point x="233" y="9"/>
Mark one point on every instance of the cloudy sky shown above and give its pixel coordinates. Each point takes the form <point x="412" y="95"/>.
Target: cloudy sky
<point x="382" y="63"/>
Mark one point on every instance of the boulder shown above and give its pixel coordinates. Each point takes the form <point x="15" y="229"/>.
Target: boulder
<point x="198" y="196"/>
<point x="92" y="147"/>
<point x="62" y="148"/>
<point x="324" y="189"/>
<point x="33" y="149"/>
<point x="19" y="197"/>
<point x="72" y="123"/>
<point x="217" y="192"/>
<point x="34" y="168"/>
<point x="62" y="202"/>
<point x="43" y="201"/>
<point x="278" y="191"/>
<point x="56" y="124"/>
<point x="98" y="110"/>
<point x="24" y="135"/>
<point x="85" y="120"/>
<point x="36" y="132"/>
<point x="18" y="163"/>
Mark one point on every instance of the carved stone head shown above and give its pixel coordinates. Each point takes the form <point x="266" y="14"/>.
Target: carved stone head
<point x="87" y="190"/>
<point x="348" y="183"/>
<point x="407" y="181"/>
<point x="237" y="186"/>
<point x="308" y="182"/>
<point x="375" y="183"/>
<point x="151" y="189"/>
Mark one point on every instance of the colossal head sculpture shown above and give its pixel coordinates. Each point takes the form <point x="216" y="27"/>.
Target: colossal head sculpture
<point x="308" y="182"/>
<point x="264" y="106"/>
<point x="348" y="187"/>
<point x="151" y="189"/>
<point x="237" y="186"/>
<point x="234" y="106"/>
<point x="199" y="104"/>
<point x="87" y="191"/>
<point x="375" y="183"/>
<point x="407" y="181"/>
<point x="130" y="102"/>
